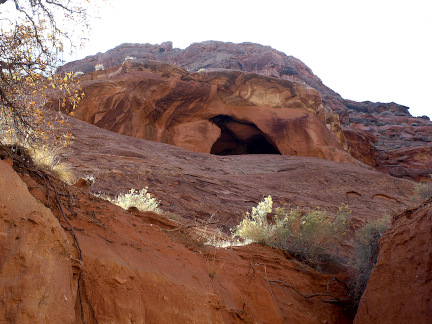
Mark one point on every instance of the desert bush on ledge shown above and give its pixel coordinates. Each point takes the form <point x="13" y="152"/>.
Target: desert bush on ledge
<point x="366" y="250"/>
<point x="423" y="189"/>
<point x="99" y="67"/>
<point x="43" y="156"/>
<point x="142" y="200"/>
<point x="306" y="235"/>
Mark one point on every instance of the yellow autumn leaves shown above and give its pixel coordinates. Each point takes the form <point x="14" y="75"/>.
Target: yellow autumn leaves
<point x="28" y="84"/>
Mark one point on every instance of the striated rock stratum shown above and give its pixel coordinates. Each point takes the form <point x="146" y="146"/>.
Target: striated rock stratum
<point x="226" y="98"/>
<point x="220" y="112"/>
<point x="211" y="130"/>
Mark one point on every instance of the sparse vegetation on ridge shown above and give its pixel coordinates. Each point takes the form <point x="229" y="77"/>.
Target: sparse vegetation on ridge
<point x="311" y="236"/>
<point x="307" y="235"/>
<point x="423" y="189"/>
<point x="99" y="67"/>
<point x="43" y="156"/>
<point x="366" y="250"/>
<point x="142" y="200"/>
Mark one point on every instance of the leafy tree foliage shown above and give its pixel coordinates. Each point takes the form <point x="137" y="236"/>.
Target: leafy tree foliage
<point x="33" y="36"/>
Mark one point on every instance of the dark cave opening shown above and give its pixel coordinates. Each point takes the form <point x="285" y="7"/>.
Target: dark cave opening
<point x="240" y="138"/>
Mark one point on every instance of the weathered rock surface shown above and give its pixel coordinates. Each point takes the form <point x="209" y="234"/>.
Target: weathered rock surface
<point x="360" y="146"/>
<point x="400" y="287"/>
<point x="403" y="143"/>
<point x="141" y="267"/>
<point x="37" y="284"/>
<point x="267" y="61"/>
<point x="199" y="185"/>
<point x="221" y="112"/>
<point x="138" y="268"/>
<point x="248" y="57"/>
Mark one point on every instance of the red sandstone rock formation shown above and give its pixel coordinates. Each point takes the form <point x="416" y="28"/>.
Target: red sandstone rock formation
<point x="248" y="57"/>
<point x="400" y="287"/>
<point x="198" y="184"/>
<point x="265" y="60"/>
<point x="360" y="146"/>
<point x="221" y="111"/>
<point x="135" y="268"/>
<point x="144" y="268"/>
<point x="403" y="143"/>
<point x="37" y="284"/>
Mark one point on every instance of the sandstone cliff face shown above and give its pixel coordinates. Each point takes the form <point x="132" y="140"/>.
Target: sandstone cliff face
<point x="220" y="111"/>
<point x="139" y="267"/>
<point x="400" y="287"/>
<point x="264" y="60"/>
<point x="37" y="284"/>
<point x="248" y="57"/>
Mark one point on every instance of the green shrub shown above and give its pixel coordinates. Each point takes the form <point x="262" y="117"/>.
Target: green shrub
<point x="366" y="249"/>
<point x="307" y="235"/>
<point x="141" y="200"/>
<point x="424" y="189"/>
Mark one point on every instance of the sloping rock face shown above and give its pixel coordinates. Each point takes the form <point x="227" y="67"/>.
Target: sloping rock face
<point x="221" y="112"/>
<point x="198" y="185"/>
<point x="140" y="267"/>
<point x="37" y="284"/>
<point x="400" y="287"/>
<point x="144" y="268"/>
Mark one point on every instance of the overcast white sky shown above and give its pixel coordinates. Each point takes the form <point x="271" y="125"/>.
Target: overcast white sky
<point x="375" y="50"/>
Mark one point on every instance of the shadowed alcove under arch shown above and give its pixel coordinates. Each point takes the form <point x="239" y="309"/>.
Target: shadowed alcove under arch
<point x="240" y="138"/>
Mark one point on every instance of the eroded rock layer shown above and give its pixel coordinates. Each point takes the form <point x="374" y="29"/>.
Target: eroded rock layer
<point x="221" y="111"/>
<point x="399" y="145"/>
<point x="248" y="57"/>
<point x="198" y="185"/>
<point x="37" y="284"/>
<point x="139" y="267"/>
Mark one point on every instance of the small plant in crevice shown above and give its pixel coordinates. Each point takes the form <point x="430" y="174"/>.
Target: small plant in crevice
<point x="142" y="200"/>
<point x="366" y="250"/>
<point x="214" y="266"/>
